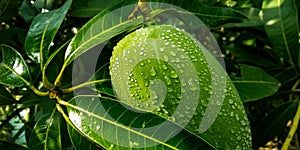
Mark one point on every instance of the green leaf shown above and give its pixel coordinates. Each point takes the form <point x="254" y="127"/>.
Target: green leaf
<point x="255" y="83"/>
<point x="100" y="29"/>
<point x="79" y="141"/>
<point x="5" y="97"/>
<point x="32" y="99"/>
<point x="46" y="133"/>
<point x="28" y="11"/>
<point x="217" y="16"/>
<point x="13" y="68"/>
<point x="282" y="27"/>
<point x="90" y="8"/>
<point x="12" y="146"/>
<point x="103" y="87"/>
<point x="274" y="123"/>
<point x="110" y="124"/>
<point x="42" y="32"/>
<point x="252" y="20"/>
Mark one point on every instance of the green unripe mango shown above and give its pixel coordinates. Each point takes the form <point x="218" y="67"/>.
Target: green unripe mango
<point x="164" y="70"/>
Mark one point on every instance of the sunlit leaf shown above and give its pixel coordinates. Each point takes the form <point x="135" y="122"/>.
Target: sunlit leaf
<point x="255" y="84"/>
<point x="5" y="97"/>
<point x="46" y="133"/>
<point x="79" y="141"/>
<point x="42" y="32"/>
<point x="13" y="68"/>
<point x="100" y="29"/>
<point x="282" y="27"/>
<point x="111" y="125"/>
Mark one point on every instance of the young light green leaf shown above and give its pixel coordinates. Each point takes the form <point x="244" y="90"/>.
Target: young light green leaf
<point x="46" y="133"/>
<point x="282" y="27"/>
<point x="111" y="125"/>
<point x="13" y="68"/>
<point x="274" y="123"/>
<point x="42" y="32"/>
<point x="255" y="84"/>
<point x="5" y="97"/>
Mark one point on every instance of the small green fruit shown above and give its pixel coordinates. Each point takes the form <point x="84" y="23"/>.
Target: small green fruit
<point x="164" y="70"/>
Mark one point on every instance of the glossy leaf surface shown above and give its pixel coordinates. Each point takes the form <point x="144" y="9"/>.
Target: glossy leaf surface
<point x="13" y="69"/>
<point x="42" y="32"/>
<point x="111" y="125"/>
<point x="46" y="133"/>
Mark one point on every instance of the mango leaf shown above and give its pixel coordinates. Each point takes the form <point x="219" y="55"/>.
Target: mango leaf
<point x="13" y="68"/>
<point x="100" y="29"/>
<point x="111" y="125"/>
<point x="255" y="84"/>
<point x="9" y="145"/>
<point x="46" y="133"/>
<point x="101" y="74"/>
<point x="282" y="27"/>
<point x="32" y="99"/>
<point x="79" y="141"/>
<point x="90" y="8"/>
<point x="42" y="32"/>
<point x="28" y="11"/>
<point x="274" y="123"/>
<point x="217" y="16"/>
<point x="252" y="19"/>
<point x="5" y="97"/>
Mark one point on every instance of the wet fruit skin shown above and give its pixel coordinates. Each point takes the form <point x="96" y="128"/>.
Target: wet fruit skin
<point x="161" y="68"/>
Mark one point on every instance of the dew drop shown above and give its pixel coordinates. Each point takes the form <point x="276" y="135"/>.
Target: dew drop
<point x="152" y="72"/>
<point x="243" y="122"/>
<point x="172" y="53"/>
<point x="174" y="74"/>
<point x="168" y="80"/>
<point x="166" y="58"/>
<point x="164" y="67"/>
<point x="230" y="101"/>
<point x="97" y="127"/>
<point x="192" y="84"/>
<point x="167" y="43"/>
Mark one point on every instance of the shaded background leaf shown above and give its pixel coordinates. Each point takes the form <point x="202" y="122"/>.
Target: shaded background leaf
<point x="255" y="83"/>
<point x="12" y="146"/>
<point x="5" y="97"/>
<point x="274" y="123"/>
<point x="110" y="120"/>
